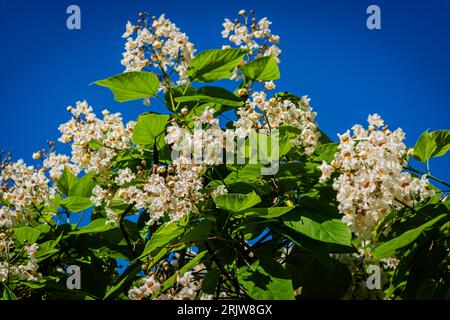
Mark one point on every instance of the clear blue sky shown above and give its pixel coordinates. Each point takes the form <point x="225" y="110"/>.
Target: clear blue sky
<point x="401" y="71"/>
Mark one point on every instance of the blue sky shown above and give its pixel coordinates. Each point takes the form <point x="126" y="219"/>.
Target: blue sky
<point x="401" y="71"/>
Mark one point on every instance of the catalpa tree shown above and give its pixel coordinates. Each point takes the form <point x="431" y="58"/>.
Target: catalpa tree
<point x="226" y="195"/>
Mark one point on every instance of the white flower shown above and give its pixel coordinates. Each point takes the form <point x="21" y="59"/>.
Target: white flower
<point x="110" y="132"/>
<point x="371" y="180"/>
<point x="56" y="163"/>
<point x="37" y="155"/>
<point x="220" y="190"/>
<point x="161" y="45"/>
<point x="252" y="36"/>
<point x="124" y="176"/>
<point x="149" y="285"/>
<point x="98" y="195"/>
<point x="276" y="112"/>
<point x="375" y="120"/>
<point x="129" y="30"/>
<point x="326" y="170"/>
<point x="270" y="85"/>
<point x="29" y="185"/>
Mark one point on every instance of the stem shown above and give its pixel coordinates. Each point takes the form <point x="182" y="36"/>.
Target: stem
<point x="428" y="175"/>
<point x="224" y="272"/>
<point x="155" y="155"/>
<point x="412" y="209"/>
<point x="42" y="216"/>
<point x="124" y="231"/>
<point x="79" y="219"/>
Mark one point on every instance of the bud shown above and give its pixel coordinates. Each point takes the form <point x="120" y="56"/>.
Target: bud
<point x="304" y="101"/>
<point x="184" y="111"/>
<point x="273" y="101"/>
<point x="289" y="203"/>
<point x="242" y="92"/>
<point x="242" y="12"/>
<point x="161" y="170"/>
<point x="269" y="85"/>
<point x="36" y="155"/>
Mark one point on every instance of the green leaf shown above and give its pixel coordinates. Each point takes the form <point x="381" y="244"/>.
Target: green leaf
<point x="311" y="225"/>
<point x="267" y="213"/>
<point x="76" y="204"/>
<point x="173" y="93"/>
<point x="8" y="294"/>
<point x="389" y="248"/>
<point x="83" y="186"/>
<point x="131" y="85"/>
<point x="266" y="281"/>
<point x="150" y="129"/>
<point x="46" y="250"/>
<point x="26" y="235"/>
<point x="95" y="226"/>
<point x="321" y="250"/>
<point x="442" y="140"/>
<point x="214" y="95"/>
<point x="325" y="152"/>
<point x="263" y="69"/>
<point x="59" y="291"/>
<point x="236" y="202"/>
<point x="212" y="65"/>
<point x="317" y="281"/>
<point x="425" y="147"/>
<point x="66" y="181"/>
<point x="210" y="281"/>
<point x="95" y="144"/>
<point x="162" y="238"/>
<point x="124" y="279"/>
<point x="207" y="99"/>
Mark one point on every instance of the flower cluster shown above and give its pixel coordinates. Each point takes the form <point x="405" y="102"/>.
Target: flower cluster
<point x="359" y="264"/>
<point x="160" y="44"/>
<point x="173" y="190"/>
<point x="12" y="268"/>
<point x="266" y="114"/>
<point x="55" y="163"/>
<point x="21" y="187"/>
<point x="25" y="185"/>
<point x="110" y="136"/>
<point x="249" y="33"/>
<point x="149" y="285"/>
<point x="204" y="143"/>
<point x="371" y="179"/>
<point x="187" y="286"/>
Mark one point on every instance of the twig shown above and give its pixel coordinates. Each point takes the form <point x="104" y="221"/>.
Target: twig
<point x="124" y="231"/>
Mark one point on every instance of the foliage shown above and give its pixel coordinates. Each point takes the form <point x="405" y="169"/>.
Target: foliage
<point x="216" y="230"/>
